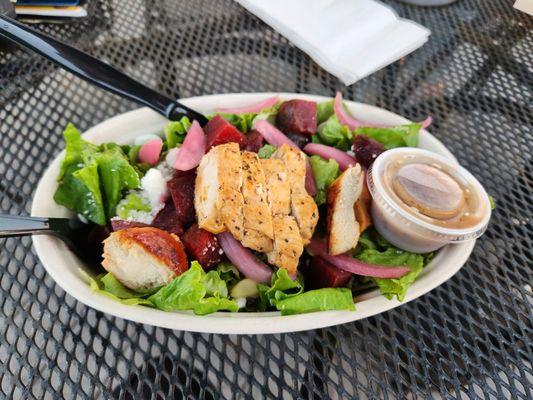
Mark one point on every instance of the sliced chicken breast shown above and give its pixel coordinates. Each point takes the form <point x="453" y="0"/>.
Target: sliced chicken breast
<point x="303" y="207"/>
<point x="206" y="194"/>
<point x="288" y="244"/>
<point x="277" y="185"/>
<point x="144" y="258"/>
<point x="257" y="218"/>
<point x="294" y="161"/>
<point x="231" y="200"/>
<point x="343" y="228"/>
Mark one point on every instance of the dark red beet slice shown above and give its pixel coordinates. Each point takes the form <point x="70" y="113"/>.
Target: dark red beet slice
<point x="168" y="220"/>
<point x="366" y="150"/>
<point x="254" y="141"/>
<point x="321" y="274"/>
<point x="119" y="224"/>
<point x="202" y="246"/>
<point x="220" y="131"/>
<point x="181" y="188"/>
<point x="297" y="116"/>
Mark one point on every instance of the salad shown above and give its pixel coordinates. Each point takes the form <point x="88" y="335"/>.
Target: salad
<point x="265" y="208"/>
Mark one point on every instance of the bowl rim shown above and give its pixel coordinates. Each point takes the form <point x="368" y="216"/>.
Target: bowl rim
<point x="58" y="260"/>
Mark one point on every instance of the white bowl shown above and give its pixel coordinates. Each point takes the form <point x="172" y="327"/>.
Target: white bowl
<point x="64" y="267"/>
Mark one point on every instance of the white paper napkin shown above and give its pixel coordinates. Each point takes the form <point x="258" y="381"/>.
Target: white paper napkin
<point x="349" y="38"/>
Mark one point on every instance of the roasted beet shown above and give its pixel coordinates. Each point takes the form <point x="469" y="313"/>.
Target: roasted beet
<point x="220" y="131"/>
<point x="254" y="141"/>
<point x="119" y="224"/>
<point x="181" y="188"/>
<point x="366" y="150"/>
<point x="321" y="274"/>
<point x="202" y="246"/>
<point x="168" y="219"/>
<point x="299" y="140"/>
<point x="297" y="116"/>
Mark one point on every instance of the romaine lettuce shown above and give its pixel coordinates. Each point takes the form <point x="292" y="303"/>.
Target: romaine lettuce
<point x="394" y="136"/>
<point x="324" y="110"/>
<point x="266" y="151"/>
<point x="325" y="172"/>
<point x="175" y="131"/>
<point x="333" y="133"/>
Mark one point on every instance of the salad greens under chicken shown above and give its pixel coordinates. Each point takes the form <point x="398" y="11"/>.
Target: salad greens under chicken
<point x="264" y="208"/>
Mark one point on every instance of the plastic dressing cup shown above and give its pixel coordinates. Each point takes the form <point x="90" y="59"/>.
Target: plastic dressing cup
<point x="423" y="201"/>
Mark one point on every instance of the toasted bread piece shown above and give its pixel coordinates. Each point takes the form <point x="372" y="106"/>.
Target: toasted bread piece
<point x="230" y="177"/>
<point x="206" y="194"/>
<point x="288" y="244"/>
<point x="277" y="184"/>
<point x="362" y="209"/>
<point x="144" y="258"/>
<point x="343" y="228"/>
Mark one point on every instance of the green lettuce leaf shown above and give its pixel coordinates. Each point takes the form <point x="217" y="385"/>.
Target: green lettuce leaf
<point x="76" y="149"/>
<point x="317" y="300"/>
<point x="325" y="173"/>
<point x="268" y="113"/>
<point x="194" y="290"/>
<point x="396" y="136"/>
<point x="92" y="178"/>
<point x="394" y="257"/>
<point x="175" y="131"/>
<point x="79" y="190"/>
<point x="109" y="286"/>
<point x="132" y="203"/>
<point x="333" y="133"/>
<point x="288" y="296"/>
<point x="228" y="273"/>
<point x="266" y="151"/>
<point x="324" y="110"/>
<point x="116" y="175"/>
<point x="242" y="122"/>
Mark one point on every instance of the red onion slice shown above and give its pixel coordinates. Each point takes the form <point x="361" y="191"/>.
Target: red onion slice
<point x="344" y="160"/>
<point x="347" y="263"/>
<point x="150" y="151"/>
<point x="252" y="108"/>
<point x="425" y="123"/>
<point x="277" y="138"/>
<point x="352" y="123"/>
<point x="244" y="259"/>
<point x="192" y="150"/>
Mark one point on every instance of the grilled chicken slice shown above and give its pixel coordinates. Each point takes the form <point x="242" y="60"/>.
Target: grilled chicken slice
<point x="144" y="258"/>
<point x="288" y="244"/>
<point x="258" y="231"/>
<point x="277" y="184"/>
<point x="343" y="228"/>
<point x="303" y="207"/>
<point x="230" y="177"/>
<point x="206" y="194"/>
<point x="294" y="161"/>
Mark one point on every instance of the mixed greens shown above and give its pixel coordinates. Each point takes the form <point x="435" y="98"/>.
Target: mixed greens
<point x="102" y="183"/>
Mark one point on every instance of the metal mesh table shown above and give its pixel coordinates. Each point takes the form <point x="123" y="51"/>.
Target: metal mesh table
<point x="469" y="338"/>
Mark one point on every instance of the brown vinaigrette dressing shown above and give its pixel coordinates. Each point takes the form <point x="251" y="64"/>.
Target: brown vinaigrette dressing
<point x="432" y="193"/>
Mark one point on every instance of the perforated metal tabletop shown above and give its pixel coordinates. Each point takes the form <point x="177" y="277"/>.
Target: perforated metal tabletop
<point x="469" y="338"/>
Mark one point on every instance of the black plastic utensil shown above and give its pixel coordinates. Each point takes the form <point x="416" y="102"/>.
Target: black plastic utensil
<point x="85" y="240"/>
<point x="95" y="71"/>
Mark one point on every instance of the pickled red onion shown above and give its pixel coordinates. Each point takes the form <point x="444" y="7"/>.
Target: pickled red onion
<point x="150" y="151"/>
<point x="343" y="159"/>
<point x="192" y="150"/>
<point x="244" y="259"/>
<point x="317" y="247"/>
<point x="252" y="108"/>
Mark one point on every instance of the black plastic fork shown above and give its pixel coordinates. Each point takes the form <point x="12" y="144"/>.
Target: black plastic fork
<point x="95" y="71"/>
<point x="85" y="240"/>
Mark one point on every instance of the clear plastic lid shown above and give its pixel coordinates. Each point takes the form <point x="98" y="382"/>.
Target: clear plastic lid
<point x="455" y="217"/>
